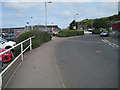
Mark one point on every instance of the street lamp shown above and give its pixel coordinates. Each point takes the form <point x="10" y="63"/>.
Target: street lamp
<point x="27" y="26"/>
<point x="75" y="21"/>
<point x="46" y="14"/>
<point x="32" y="23"/>
<point x="75" y="16"/>
<point x="1" y="31"/>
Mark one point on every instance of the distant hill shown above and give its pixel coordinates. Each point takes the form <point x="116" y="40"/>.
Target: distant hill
<point x="104" y="22"/>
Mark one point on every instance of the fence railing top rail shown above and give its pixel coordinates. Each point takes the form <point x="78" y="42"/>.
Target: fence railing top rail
<point x="16" y="45"/>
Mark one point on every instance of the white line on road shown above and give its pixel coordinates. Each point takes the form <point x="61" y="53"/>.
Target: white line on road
<point x="84" y="41"/>
<point x="110" y="43"/>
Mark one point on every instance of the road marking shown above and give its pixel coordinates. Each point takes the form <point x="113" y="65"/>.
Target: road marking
<point x="84" y="41"/>
<point x="110" y="43"/>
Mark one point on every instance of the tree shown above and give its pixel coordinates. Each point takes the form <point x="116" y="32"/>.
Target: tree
<point x="100" y="23"/>
<point x="72" y="25"/>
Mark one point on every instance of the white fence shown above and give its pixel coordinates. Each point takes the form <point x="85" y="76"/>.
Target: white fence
<point x="13" y="62"/>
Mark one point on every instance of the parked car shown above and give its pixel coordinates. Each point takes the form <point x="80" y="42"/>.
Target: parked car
<point x="6" y="44"/>
<point x="87" y="32"/>
<point x="104" y="34"/>
<point x="8" y="56"/>
<point x="55" y="32"/>
<point x="10" y="37"/>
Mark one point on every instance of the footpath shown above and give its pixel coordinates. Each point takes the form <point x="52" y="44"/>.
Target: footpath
<point x="39" y="69"/>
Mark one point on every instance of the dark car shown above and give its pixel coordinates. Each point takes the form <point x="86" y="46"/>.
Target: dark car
<point x="104" y="34"/>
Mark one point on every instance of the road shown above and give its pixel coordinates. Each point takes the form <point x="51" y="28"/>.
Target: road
<point x="76" y="62"/>
<point x="88" y="62"/>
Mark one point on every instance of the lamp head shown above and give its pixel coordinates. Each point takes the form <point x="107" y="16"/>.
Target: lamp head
<point x="50" y="2"/>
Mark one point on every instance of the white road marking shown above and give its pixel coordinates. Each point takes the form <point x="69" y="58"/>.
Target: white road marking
<point x="84" y="41"/>
<point x="110" y="43"/>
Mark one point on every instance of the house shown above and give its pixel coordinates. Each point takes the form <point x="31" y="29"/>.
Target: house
<point x="53" y="28"/>
<point x="116" y="29"/>
<point x="116" y="25"/>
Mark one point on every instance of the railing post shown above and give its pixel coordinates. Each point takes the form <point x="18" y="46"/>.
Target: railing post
<point x="0" y="82"/>
<point x="22" y="51"/>
<point x="1" y="63"/>
<point x="30" y="43"/>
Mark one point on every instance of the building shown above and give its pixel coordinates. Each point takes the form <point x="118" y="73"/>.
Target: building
<point x="53" y="28"/>
<point x="37" y="27"/>
<point x="116" y="30"/>
<point x="17" y="31"/>
<point x="12" y="30"/>
<point x="49" y="28"/>
<point x="116" y="25"/>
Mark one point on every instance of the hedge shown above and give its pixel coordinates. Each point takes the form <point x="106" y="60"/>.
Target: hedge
<point x="68" y="33"/>
<point x="40" y="38"/>
<point x="96" y="31"/>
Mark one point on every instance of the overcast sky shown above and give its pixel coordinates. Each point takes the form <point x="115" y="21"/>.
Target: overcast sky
<point x="15" y="13"/>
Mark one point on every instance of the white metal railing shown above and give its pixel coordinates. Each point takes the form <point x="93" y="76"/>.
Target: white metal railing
<point x="21" y="54"/>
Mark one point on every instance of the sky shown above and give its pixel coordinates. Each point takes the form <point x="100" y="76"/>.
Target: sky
<point x="15" y="13"/>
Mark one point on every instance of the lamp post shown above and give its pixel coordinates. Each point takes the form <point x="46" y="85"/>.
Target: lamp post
<point x="75" y="15"/>
<point x="27" y="26"/>
<point x="75" y="21"/>
<point x="1" y="30"/>
<point x="46" y="14"/>
<point x="52" y="28"/>
<point x="32" y="23"/>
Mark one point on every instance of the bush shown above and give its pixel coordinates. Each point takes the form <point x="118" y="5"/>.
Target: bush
<point x="96" y="31"/>
<point x="68" y="33"/>
<point x="40" y="37"/>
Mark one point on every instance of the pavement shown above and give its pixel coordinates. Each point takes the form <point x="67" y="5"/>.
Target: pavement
<point x="38" y="70"/>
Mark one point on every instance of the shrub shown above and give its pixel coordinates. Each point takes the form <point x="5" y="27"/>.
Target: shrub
<point x="68" y="33"/>
<point x="96" y="31"/>
<point x="40" y="37"/>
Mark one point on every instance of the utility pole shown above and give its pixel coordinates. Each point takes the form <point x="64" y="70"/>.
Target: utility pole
<point x="46" y="15"/>
<point x="32" y="23"/>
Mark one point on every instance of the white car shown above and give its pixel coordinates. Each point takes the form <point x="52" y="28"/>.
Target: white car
<point x="104" y="33"/>
<point x="87" y="32"/>
<point x="55" y="32"/>
<point x="6" y="44"/>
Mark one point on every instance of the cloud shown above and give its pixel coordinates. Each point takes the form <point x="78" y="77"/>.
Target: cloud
<point x="60" y="0"/>
<point x="19" y="15"/>
<point x="11" y="16"/>
<point x="109" y="5"/>
<point x="20" y="5"/>
<point x="66" y="13"/>
<point x="0" y="20"/>
<point x="58" y="13"/>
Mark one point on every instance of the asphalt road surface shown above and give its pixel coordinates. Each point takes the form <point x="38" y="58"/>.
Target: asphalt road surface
<point x="79" y="62"/>
<point x="87" y="62"/>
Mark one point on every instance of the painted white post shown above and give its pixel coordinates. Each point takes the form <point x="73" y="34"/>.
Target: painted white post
<point x="0" y="82"/>
<point x="30" y="43"/>
<point x="22" y="51"/>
